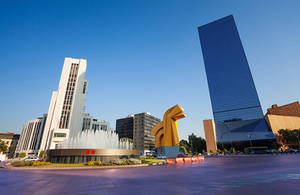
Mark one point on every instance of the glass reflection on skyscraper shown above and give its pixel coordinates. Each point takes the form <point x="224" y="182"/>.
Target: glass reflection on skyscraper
<point x="236" y="108"/>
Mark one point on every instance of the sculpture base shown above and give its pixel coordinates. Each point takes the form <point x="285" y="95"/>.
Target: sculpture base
<point x="168" y="151"/>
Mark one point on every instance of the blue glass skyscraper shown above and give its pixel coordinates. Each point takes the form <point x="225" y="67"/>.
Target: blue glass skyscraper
<point x="236" y="108"/>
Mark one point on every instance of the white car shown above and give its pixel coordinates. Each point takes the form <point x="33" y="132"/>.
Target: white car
<point x="31" y="158"/>
<point x="161" y="157"/>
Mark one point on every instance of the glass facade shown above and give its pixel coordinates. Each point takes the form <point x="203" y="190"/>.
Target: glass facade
<point x="124" y="127"/>
<point x="236" y="107"/>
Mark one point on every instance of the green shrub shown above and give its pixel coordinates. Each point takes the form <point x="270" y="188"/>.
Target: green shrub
<point x="37" y="163"/>
<point x="135" y="161"/>
<point x="91" y="163"/>
<point x="29" y="163"/>
<point x="119" y="161"/>
<point x="97" y="163"/>
<point x="42" y="153"/>
<point x="211" y="151"/>
<point x="22" y="155"/>
<point x="219" y="151"/>
<point x="18" y="163"/>
<point x="108" y="163"/>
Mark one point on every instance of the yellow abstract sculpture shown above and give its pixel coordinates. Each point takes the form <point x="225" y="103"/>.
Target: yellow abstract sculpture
<point x="166" y="131"/>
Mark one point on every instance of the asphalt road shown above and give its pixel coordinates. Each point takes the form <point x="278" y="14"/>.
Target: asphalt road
<point x="263" y="174"/>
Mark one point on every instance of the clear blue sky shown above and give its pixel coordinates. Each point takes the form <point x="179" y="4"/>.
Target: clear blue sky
<point x="141" y="55"/>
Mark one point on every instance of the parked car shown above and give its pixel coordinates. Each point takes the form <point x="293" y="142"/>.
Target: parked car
<point x="161" y="157"/>
<point x="181" y="155"/>
<point x="31" y="158"/>
<point x="41" y="159"/>
<point x="290" y="150"/>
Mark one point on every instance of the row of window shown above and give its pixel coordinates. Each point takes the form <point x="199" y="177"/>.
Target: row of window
<point x="68" y="96"/>
<point x="60" y="134"/>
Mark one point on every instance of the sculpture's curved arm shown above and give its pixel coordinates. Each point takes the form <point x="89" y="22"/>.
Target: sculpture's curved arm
<point x="156" y="128"/>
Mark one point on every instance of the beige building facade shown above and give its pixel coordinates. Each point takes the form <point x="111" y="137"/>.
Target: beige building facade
<point x="210" y="135"/>
<point x="283" y="117"/>
<point x="277" y="122"/>
<point x="10" y="139"/>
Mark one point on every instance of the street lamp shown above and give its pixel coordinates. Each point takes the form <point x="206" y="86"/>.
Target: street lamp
<point x="222" y="139"/>
<point x="249" y="135"/>
<point x="190" y="136"/>
<point x="228" y="133"/>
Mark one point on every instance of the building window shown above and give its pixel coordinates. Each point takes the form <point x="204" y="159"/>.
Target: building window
<point x="84" y="87"/>
<point x="60" y="134"/>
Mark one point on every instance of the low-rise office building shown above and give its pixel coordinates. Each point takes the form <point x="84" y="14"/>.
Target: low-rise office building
<point x="283" y="117"/>
<point x="10" y="139"/>
<point x="138" y="127"/>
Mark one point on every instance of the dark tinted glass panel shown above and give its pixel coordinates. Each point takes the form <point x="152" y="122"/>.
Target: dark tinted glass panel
<point x="232" y="91"/>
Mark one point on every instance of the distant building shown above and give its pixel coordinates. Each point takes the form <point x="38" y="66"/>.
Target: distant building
<point x="210" y="135"/>
<point x="283" y="117"/>
<point x="91" y="124"/>
<point x="138" y="128"/>
<point x="66" y="117"/>
<point x="31" y="137"/>
<point x="124" y="127"/>
<point x="236" y="108"/>
<point x="10" y="139"/>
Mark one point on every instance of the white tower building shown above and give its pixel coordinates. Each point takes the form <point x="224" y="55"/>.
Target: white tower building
<point x="65" y="114"/>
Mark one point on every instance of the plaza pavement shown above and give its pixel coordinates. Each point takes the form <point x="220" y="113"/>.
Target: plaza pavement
<point x="259" y="174"/>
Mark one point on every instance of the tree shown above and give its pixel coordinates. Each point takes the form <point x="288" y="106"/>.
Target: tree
<point x="183" y="150"/>
<point x="184" y="146"/>
<point x="289" y="138"/>
<point x="12" y="148"/>
<point x="42" y="154"/>
<point x="199" y="143"/>
<point x="22" y="155"/>
<point x="3" y="146"/>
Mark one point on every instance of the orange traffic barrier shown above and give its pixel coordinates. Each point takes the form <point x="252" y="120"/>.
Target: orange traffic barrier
<point x="200" y="158"/>
<point x="179" y="160"/>
<point x="187" y="159"/>
<point x="170" y="161"/>
<point x="194" y="159"/>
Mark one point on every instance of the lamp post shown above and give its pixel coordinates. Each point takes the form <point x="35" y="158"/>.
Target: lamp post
<point x="228" y="133"/>
<point x="249" y="135"/>
<point x="222" y="140"/>
<point x="190" y="136"/>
